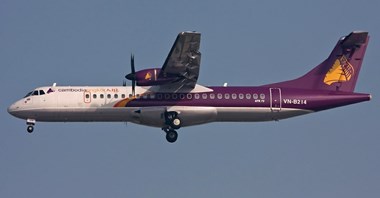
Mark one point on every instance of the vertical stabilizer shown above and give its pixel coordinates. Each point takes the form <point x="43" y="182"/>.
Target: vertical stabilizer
<point x="340" y="71"/>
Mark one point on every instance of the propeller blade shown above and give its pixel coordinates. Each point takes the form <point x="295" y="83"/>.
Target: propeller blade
<point x="133" y="64"/>
<point x="133" y="87"/>
<point x="132" y="76"/>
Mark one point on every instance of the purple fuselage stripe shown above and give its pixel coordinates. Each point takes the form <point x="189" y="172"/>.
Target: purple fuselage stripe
<point x="314" y="100"/>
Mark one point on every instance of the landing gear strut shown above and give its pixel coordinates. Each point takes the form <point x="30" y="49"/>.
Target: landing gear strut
<point x="172" y="120"/>
<point x="30" y="123"/>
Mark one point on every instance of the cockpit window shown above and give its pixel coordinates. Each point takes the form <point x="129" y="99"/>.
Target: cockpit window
<point x="29" y="94"/>
<point x="35" y="93"/>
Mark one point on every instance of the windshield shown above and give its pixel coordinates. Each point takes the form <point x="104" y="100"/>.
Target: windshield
<point x="29" y="94"/>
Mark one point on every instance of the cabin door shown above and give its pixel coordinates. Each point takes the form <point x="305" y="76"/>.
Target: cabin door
<point x="275" y="99"/>
<point x="87" y="97"/>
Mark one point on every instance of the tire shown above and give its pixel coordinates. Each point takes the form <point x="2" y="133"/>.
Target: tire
<point x="171" y="136"/>
<point x="30" y="129"/>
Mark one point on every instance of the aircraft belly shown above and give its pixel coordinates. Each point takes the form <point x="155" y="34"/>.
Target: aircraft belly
<point x="256" y="114"/>
<point x="79" y="114"/>
<point x="195" y="115"/>
<point x="153" y="116"/>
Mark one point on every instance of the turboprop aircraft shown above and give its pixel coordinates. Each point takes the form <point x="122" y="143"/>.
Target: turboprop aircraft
<point x="170" y="98"/>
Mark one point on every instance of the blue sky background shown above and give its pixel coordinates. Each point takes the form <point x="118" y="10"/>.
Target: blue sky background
<point x="333" y="153"/>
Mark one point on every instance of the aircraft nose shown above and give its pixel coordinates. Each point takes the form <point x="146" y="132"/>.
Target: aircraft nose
<point x="11" y="109"/>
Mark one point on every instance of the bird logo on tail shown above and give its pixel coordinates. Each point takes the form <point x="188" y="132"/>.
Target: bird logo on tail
<point x="340" y="71"/>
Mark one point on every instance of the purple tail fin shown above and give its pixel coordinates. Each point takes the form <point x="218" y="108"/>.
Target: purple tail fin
<point x="340" y="71"/>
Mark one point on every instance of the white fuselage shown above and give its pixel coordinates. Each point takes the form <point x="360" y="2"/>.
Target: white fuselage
<point x="86" y="104"/>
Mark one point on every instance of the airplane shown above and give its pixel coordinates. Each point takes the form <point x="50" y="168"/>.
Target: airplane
<point x="170" y="98"/>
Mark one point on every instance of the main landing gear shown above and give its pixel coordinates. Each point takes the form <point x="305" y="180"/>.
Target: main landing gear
<point x="172" y="123"/>
<point x="171" y="135"/>
<point x="30" y="123"/>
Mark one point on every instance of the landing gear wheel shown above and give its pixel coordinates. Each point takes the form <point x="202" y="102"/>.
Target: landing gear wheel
<point x="171" y="136"/>
<point x="30" y="129"/>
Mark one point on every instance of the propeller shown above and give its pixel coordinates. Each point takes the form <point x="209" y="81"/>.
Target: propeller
<point x="132" y="76"/>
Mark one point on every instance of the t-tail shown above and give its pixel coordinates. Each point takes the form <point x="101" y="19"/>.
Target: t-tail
<point x="340" y="71"/>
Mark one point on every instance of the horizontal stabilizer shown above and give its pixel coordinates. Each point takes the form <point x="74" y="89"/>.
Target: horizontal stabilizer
<point x="354" y="39"/>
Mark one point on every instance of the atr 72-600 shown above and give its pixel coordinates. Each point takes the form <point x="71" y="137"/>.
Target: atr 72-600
<point x="170" y="98"/>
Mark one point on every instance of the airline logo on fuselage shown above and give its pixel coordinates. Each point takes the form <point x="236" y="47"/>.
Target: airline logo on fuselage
<point x="340" y="71"/>
<point x="95" y="90"/>
<point x="50" y="90"/>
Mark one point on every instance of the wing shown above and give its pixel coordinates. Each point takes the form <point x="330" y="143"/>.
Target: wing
<point x="183" y="60"/>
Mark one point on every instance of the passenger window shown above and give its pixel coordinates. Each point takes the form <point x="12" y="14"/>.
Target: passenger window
<point x="108" y="96"/>
<point x="123" y="95"/>
<point x="234" y="96"/>
<point x="42" y="92"/>
<point x="241" y="96"/>
<point x="196" y="96"/>
<point x="94" y="96"/>
<point x="35" y="93"/>
<point x="248" y="96"/>
<point x="115" y="96"/>
<point x="167" y="96"/>
<point x="182" y="96"/>
<point x="204" y="96"/>
<point x="212" y="96"/>
<point x="87" y="96"/>
<point x="159" y="96"/>
<point x="174" y="96"/>
<point x="220" y="96"/>
<point x="255" y="96"/>
<point x="262" y="96"/>
<point x="189" y="96"/>
<point x="101" y="96"/>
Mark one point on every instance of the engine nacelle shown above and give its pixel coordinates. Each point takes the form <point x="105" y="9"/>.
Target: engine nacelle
<point x="150" y="77"/>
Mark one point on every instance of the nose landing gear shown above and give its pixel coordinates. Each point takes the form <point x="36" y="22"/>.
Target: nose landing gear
<point x="30" y="123"/>
<point x="30" y="129"/>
